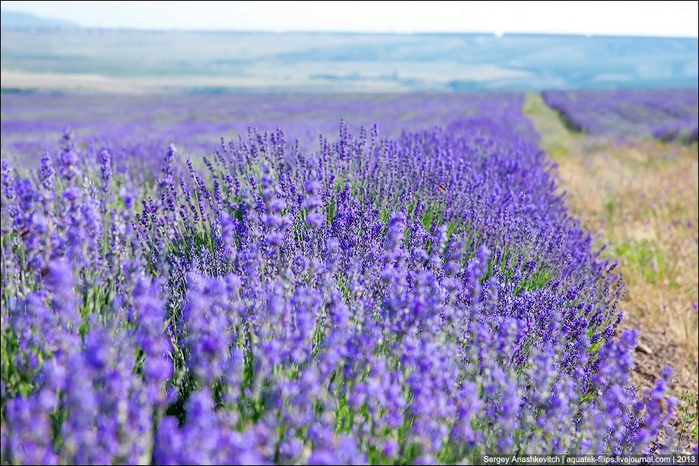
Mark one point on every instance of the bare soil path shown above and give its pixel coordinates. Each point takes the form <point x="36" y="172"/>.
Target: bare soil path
<point x="640" y="199"/>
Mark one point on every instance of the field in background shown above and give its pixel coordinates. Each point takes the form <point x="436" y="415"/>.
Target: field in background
<point x="33" y="123"/>
<point x="640" y="199"/>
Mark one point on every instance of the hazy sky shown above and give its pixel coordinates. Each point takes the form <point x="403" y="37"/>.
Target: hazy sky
<point x="678" y="19"/>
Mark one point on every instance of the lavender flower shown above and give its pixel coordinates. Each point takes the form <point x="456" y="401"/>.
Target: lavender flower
<point x="418" y="298"/>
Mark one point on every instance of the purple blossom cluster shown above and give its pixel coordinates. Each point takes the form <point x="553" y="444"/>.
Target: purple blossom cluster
<point x="665" y="114"/>
<point x="417" y="299"/>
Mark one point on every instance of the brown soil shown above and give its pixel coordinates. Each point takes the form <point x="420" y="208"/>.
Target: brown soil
<point x="656" y="350"/>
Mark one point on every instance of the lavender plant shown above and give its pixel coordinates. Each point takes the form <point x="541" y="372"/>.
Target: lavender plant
<point x="417" y="299"/>
<point x="665" y="114"/>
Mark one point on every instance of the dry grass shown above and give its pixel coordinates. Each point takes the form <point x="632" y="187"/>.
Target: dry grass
<point x="640" y="198"/>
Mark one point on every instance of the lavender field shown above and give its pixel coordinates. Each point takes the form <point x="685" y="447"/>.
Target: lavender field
<point x="199" y="121"/>
<point x="406" y="288"/>
<point x="665" y="114"/>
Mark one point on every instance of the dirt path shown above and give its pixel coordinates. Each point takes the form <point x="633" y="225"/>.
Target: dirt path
<point x="640" y="199"/>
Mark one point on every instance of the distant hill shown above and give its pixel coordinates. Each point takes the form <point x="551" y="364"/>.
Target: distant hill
<point x="131" y="61"/>
<point x="19" y="20"/>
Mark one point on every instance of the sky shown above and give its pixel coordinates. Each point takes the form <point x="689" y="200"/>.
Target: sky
<point x="663" y="18"/>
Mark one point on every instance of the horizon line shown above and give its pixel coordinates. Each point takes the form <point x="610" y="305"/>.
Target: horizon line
<point x="339" y="32"/>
